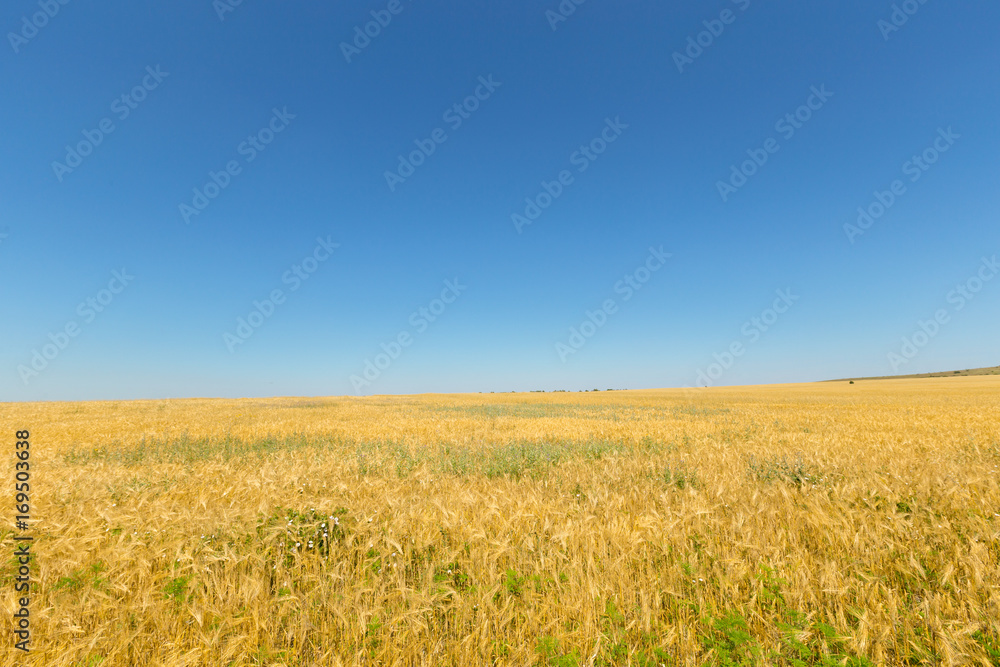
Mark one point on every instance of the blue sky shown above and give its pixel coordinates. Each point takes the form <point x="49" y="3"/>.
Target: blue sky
<point x="619" y="100"/>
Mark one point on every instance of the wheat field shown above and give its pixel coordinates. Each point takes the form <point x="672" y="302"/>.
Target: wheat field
<point x="820" y="524"/>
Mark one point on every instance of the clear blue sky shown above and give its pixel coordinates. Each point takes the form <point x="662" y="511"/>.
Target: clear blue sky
<point x="209" y="79"/>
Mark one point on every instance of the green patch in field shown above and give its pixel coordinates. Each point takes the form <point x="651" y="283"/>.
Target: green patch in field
<point x="729" y="643"/>
<point x="185" y="449"/>
<point x="612" y="618"/>
<point x="71" y="583"/>
<point x="990" y="644"/>
<point x="651" y="445"/>
<point x="921" y="649"/>
<point x="819" y="644"/>
<point x="499" y="650"/>
<point x="452" y="575"/>
<point x="268" y="656"/>
<point x="305" y="532"/>
<point x="551" y="653"/>
<point x="176" y="589"/>
<point x="527" y="410"/>
<point x="696" y="411"/>
<point x="519" y="458"/>
<point x="540" y="583"/>
<point x="680" y="475"/>
<point x="513" y="583"/>
<point x="456" y="460"/>
<point x="501" y="459"/>
<point x="82" y="578"/>
<point x="9" y="569"/>
<point x="373" y="638"/>
<point x="782" y="469"/>
<point x="655" y="657"/>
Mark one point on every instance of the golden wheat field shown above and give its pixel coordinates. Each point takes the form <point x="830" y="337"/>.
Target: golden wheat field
<point x="821" y="524"/>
